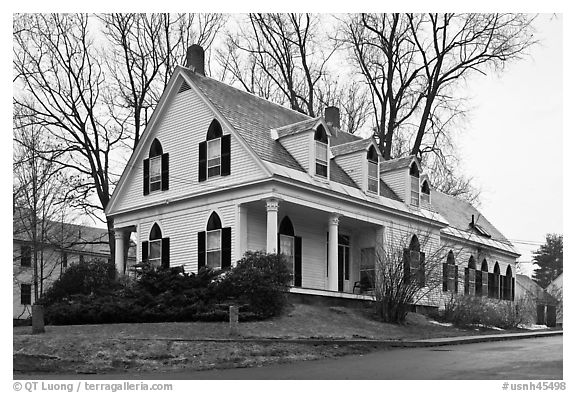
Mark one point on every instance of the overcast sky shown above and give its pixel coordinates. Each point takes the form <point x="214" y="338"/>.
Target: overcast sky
<point x="512" y="142"/>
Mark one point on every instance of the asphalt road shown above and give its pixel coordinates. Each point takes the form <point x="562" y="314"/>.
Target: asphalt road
<point x="536" y="359"/>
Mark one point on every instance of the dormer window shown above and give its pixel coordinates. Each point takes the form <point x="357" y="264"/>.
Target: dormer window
<point x="214" y="153"/>
<point x="373" y="180"/>
<point x="155" y="169"/>
<point x="425" y="192"/>
<point x="321" y="152"/>
<point x="414" y="185"/>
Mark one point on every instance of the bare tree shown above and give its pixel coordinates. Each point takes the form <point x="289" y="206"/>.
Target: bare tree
<point x="38" y="199"/>
<point x="408" y="271"/>
<point x="350" y="97"/>
<point x="287" y="49"/>
<point x="145" y="49"/>
<point x="60" y="84"/>
<point x="413" y="64"/>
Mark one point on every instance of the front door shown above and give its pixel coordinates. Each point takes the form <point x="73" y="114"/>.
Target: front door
<point x="343" y="261"/>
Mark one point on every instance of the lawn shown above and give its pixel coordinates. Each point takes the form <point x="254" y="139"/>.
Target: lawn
<point x="111" y="348"/>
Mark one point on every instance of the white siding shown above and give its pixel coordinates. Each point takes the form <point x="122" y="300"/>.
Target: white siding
<point x="299" y="146"/>
<point x="180" y="129"/>
<point x="182" y="228"/>
<point x="398" y="181"/>
<point x="355" y="165"/>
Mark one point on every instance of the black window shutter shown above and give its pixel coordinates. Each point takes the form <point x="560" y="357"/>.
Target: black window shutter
<point x="278" y="244"/>
<point x="146" y="176"/>
<point x="466" y="281"/>
<point x="406" y="258"/>
<point x="202" y="160"/>
<point x="445" y="277"/>
<point x="165" y="171"/>
<point x="484" y="283"/>
<point x="201" y="250"/>
<point x="456" y="279"/>
<point x="421" y="271"/>
<point x="513" y="288"/>
<point x="166" y="252"/>
<point x="225" y="155"/>
<point x="226" y="247"/>
<point x="297" y="261"/>
<point x="144" y="251"/>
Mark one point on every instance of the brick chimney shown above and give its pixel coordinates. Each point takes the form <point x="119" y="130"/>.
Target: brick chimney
<point x="332" y="116"/>
<point x="195" y="59"/>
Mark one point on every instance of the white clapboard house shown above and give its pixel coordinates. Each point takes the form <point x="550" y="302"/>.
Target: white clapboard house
<point x="219" y="171"/>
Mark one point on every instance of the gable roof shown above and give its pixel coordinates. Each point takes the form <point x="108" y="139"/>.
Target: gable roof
<point x="350" y="147"/>
<point x="253" y="118"/>
<point x="459" y="215"/>
<point x="397" y="163"/>
<point x="296" y="128"/>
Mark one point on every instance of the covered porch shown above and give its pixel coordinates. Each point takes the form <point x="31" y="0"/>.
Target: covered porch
<point x="330" y="253"/>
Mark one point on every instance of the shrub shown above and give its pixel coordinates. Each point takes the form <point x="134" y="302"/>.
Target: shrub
<point x="260" y="280"/>
<point x="468" y="311"/>
<point x="258" y="284"/>
<point x="94" y="276"/>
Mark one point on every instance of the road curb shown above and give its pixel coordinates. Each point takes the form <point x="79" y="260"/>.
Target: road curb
<point x="434" y="342"/>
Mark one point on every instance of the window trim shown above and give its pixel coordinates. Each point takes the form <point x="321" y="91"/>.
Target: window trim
<point x="214" y="250"/>
<point x="157" y="182"/>
<point x="319" y="161"/>
<point x="218" y="157"/>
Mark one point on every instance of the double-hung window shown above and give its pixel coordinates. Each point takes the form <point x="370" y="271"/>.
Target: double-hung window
<point x="321" y="148"/>
<point x="214" y="249"/>
<point x="414" y="185"/>
<point x="155" y="173"/>
<point x="214" y="157"/>
<point x="321" y="159"/>
<point x="373" y="176"/>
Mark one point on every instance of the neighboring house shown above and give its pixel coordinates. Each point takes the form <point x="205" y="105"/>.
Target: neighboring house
<point x="540" y="304"/>
<point x="555" y="289"/>
<point x="63" y="245"/>
<point x="219" y="171"/>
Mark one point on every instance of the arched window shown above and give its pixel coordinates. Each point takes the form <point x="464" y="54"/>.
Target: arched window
<point x="415" y="185"/>
<point x="215" y="244"/>
<point x="155" y="169"/>
<point x="450" y="274"/>
<point x="321" y="139"/>
<point x="214" y="131"/>
<point x="482" y="280"/>
<point x="373" y="165"/>
<point x="494" y="282"/>
<point x="155" y="245"/>
<point x="214" y="153"/>
<point x="425" y="192"/>
<point x="508" y="285"/>
<point x="470" y="276"/>
<point x="414" y="261"/>
<point x="156" y="250"/>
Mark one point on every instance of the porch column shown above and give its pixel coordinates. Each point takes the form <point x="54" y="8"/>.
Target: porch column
<point x="271" y="225"/>
<point x="119" y="251"/>
<point x="333" y="252"/>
